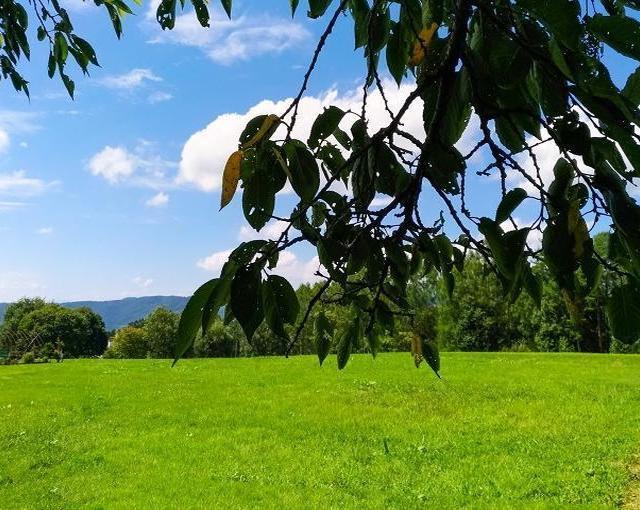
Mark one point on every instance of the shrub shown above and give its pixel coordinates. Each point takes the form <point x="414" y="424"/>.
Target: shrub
<point x="218" y="342"/>
<point x="161" y="330"/>
<point x="129" y="342"/>
<point x="27" y="358"/>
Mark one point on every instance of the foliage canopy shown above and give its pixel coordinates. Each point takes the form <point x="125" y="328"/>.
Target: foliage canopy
<point x="530" y="72"/>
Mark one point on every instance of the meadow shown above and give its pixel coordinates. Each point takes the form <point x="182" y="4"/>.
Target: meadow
<point x="498" y="431"/>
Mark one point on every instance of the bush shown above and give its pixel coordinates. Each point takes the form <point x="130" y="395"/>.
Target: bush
<point x="129" y="342"/>
<point x="27" y="358"/>
<point x="220" y="341"/>
<point x="161" y="330"/>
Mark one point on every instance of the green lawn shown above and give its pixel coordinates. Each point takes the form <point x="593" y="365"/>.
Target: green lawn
<point x="499" y="431"/>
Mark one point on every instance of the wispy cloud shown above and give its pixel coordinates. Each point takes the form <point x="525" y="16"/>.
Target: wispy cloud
<point x="141" y="166"/>
<point x="7" y="206"/>
<point x="14" y="121"/>
<point x="14" y="285"/>
<point x="214" y="262"/>
<point x="45" y="231"/>
<point x="229" y="41"/>
<point x="18" y="184"/>
<point x="142" y="282"/>
<point x="159" y="97"/>
<point x="131" y="80"/>
<point x="159" y="200"/>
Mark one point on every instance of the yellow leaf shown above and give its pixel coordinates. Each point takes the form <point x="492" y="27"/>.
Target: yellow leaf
<point x="230" y="177"/>
<point x="416" y="349"/>
<point x="578" y="229"/>
<point x="422" y="43"/>
<point x="269" y="125"/>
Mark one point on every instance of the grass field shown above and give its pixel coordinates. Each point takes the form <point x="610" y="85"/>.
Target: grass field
<point x="499" y="431"/>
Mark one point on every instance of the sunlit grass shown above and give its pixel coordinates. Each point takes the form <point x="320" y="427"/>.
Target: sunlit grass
<point x="500" y="430"/>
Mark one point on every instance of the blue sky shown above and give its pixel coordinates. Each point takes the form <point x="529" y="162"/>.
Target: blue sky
<point x="116" y="193"/>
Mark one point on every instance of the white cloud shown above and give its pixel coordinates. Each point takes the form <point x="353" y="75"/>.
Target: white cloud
<point x="214" y="262"/>
<point x="6" y="206"/>
<point x="159" y="97"/>
<point x="18" y="184"/>
<point x="297" y="271"/>
<point x="77" y="6"/>
<point x="141" y="166"/>
<point x="133" y="79"/>
<point x="113" y="163"/>
<point x="270" y="232"/>
<point x="534" y="238"/>
<point x="244" y="43"/>
<point x="45" y="231"/>
<point x="5" y="141"/>
<point x="206" y="151"/>
<point x="14" y="121"/>
<point x="381" y="201"/>
<point x="290" y="266"/>
<point x="229" y="41"/>
<point x="142" y="282"/>
<point x="159" y="200"/>
<point x="15" y="285"/>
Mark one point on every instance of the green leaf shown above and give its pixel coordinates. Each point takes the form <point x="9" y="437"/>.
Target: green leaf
<point x="86" y="48"/>
<point x="318" y="7"/>
<point x="509" y="133"/>
<point x="51" y="66"/>
<point x="360" y="14"/>
<point x="218" y="298"/>
<point x="165" y="15"/>
<point x="561" y="17"/>
<point x="350" y="337"/>
<point x="226" y="4"/>
<point x="60" y="48"/>
<point x="431" y="355"/>
<point x="246" y="299"/>
<point x="374" y="341"/>
<point x="397" y="54"/>
<point x="191" y="318"/>
<point x="303" y="168"/>
<point x="202" y="13"/>
<point x="445" y="164"/>
<point x="509" y="203"/>
<point x="294" y="6"/>
<point x="324" y="334"/>
<point x="325" y="125"/>
<point x="632" y="88"/>
<point x="263" y="177"/>
<point x="280" y="303"/>
<point x="458" y="110"/>
<point x="623" y="312"/>
<point x="620" y="32"/>
<point x="68" y="84"/>
<point x="533" y="286"/>
<point x="378" y="29"/>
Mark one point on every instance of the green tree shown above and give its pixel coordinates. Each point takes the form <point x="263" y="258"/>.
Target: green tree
<point x="161" y="330"/>
<point x="81" y="330"/>
<point x="10" y="330"/>
<point x="129" y="343"/>
<point x="530" y="72"/>
<point x="219" y="341"/>
<point x="476" y="317"/>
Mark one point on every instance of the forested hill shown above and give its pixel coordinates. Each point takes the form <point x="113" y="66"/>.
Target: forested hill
<point x="120" y="312"/>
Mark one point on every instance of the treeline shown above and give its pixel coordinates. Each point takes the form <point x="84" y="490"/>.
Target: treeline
<point x="35" y="329"/>
<point x="475" y="317"/>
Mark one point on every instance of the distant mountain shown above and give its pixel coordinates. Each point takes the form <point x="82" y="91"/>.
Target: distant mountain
<point x="120" y="312"/>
